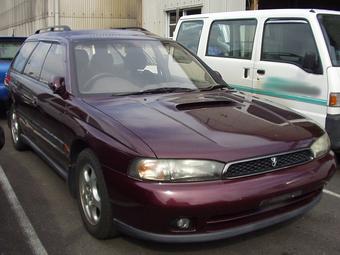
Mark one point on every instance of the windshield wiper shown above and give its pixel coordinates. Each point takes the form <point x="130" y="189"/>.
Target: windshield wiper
<point x="155" y="91"/>
<point x="218" y="86"/>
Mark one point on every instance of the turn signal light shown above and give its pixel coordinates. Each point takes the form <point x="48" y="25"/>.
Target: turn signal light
<point x="334" y="99"/>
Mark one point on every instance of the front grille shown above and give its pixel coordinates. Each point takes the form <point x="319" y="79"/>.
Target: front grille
<point x="267" y="164"/>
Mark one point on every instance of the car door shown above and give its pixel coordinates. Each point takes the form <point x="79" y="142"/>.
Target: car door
<point x="288" y="69"/>
<point x="29" y="90"/>
<point x="23" y="105"/>
<point x="229" y="50"/>
<point x="51" y="107"/>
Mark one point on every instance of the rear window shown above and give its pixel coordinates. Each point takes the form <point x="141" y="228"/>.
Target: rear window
<point x="189" y="34"/>
<point x="8" y="49"/>
<point x="232" y="38"/>
<point x="34" y="64"/>
<point x="22" y="57"/>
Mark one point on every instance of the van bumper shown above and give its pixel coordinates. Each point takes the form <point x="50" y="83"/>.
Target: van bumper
<point x="333" y="130"/>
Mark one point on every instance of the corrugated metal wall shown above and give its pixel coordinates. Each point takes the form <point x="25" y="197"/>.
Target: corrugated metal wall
<point x="26" y="16"/>
<point x="155" y="11"/>
<point x="100" y="13"/>
<point x="22" y="16"/>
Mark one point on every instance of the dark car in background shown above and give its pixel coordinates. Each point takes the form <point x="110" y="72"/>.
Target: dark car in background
<point x="154" y="144"/>
<point x="8" y="48"/>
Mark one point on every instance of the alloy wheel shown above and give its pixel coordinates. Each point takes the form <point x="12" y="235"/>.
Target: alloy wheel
<point x="14" y="127"/>
<point x="89" y="194"/>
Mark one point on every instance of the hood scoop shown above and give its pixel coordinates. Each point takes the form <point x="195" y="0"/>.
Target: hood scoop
<point x="204" y="104"/>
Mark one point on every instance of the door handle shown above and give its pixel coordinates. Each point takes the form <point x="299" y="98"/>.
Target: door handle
<point x="261" y="71"/>
<point x="34" y="101"/>
<point x="246" y="72"/>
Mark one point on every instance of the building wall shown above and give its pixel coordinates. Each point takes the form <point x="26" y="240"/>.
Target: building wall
<point x="154" y="12"/>
<point x="26" y="16"/>
<point x="21" y="16"/>
<point x="93" y="14"/>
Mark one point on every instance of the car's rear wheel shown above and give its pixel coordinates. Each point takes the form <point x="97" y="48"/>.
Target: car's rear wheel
<point x="92" y="196"/>
<point x="16" y="131"/>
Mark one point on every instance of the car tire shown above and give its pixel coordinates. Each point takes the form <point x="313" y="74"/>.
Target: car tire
<point x="92" y="196"/>
<point x="14" y="125"/>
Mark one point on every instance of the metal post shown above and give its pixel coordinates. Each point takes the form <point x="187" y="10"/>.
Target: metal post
<point x="56" y="12"/>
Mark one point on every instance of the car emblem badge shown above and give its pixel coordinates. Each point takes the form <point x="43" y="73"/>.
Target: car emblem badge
<point x="274" y="161"/>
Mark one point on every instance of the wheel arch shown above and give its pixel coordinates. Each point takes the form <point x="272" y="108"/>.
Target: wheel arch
<point x="78" y="145"/>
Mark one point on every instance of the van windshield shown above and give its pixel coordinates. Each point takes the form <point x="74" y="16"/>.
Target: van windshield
<point x="330" y="26"/>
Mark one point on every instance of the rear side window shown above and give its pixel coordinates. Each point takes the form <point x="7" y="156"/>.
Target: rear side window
<point x="232" y="38"/>
<point x="54" y="65"/>
<point x="23" y="55"/>
<point x="35" y="62"/>
<point x="290" y="42"/>
<point x="189" y="34"/>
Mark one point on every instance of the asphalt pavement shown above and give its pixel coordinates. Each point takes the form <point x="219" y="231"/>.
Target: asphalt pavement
<point x="54" y="221"/>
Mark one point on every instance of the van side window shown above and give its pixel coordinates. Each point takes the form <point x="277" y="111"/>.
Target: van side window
<point x="232" y="38"/>
<point x="54" y="65"/>
<point x="35" y="62"/>
<point x="290" y="42"/>
<point x="189" y="34"/>
<point x="23" y="55"/>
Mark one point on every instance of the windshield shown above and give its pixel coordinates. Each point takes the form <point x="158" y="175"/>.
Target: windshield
<point x="133" y="66"/>
<point x="8" y="50"/>
<point x="330" y="26"/>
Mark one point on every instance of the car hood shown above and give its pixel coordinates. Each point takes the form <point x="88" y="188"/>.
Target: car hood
<point x="4" y="65"/>
<point x="222" y="125"/>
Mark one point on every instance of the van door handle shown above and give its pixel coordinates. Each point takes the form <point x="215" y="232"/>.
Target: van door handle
<point x="246" y="72"/>
<point x="261" y="71"/>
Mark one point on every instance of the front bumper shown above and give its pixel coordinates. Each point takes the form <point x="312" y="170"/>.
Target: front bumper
<point x="333" y="130"/>
<point x="218" y="209"/>
<point x="226" y="233"/>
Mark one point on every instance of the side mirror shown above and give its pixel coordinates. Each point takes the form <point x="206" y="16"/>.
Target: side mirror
<point x="310" y="63"/>
<point x="218" y="75"/>
<point x="58" y="87"/>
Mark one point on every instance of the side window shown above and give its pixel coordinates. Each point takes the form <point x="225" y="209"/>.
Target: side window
<point x="290" y="42"/>
<point x="35" y="62"/>
<point x="232" y="38"/>
<point x="189" y="34"/>
<point x="23" y="55"/>
<point x="54" y="65"/>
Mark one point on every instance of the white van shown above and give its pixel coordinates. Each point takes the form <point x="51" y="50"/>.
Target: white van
<point x="289" y="56"/>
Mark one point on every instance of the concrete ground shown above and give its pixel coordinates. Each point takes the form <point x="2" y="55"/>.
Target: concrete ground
<point x="52" y="213"/>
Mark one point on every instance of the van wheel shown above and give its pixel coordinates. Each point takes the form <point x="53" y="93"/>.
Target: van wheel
<point x="16" y="131"/>
<point x="92" y="196"/>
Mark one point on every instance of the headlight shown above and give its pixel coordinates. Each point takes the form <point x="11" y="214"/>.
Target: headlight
<point x="321" y="146"/>
<point x="176" y="170"/>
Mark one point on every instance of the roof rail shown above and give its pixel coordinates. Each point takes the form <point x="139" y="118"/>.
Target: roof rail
<point x="132" y="28"/>
<point x="53" y="29"/>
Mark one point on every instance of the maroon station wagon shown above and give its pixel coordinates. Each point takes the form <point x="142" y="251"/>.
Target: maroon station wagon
<point x="154" y="144"/>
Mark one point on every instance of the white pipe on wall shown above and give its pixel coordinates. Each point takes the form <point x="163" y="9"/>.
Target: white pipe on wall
<point x="56" y="12"/>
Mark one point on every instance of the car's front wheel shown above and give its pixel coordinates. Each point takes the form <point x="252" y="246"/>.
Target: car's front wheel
<point x="92" y="196"/>
<point x="16" y="131"/>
